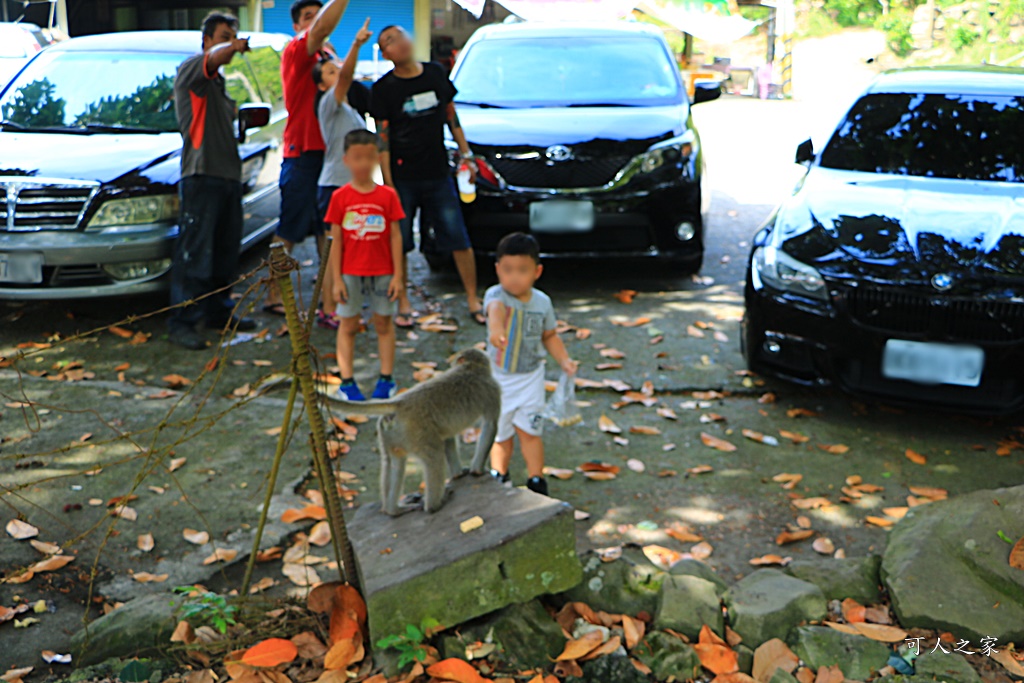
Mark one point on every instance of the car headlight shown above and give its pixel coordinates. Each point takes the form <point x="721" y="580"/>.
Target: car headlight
<point x="135" y="211"/>
<point x="670" y="151"/>
<point x="781" y="271"/>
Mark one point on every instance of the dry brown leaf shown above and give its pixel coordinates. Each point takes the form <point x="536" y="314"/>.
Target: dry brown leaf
<point x="606" y="425"/>
<point x="835" y="448"/>
<point x="844" y="628"/>
<point x="20" y="530"/>
<point x="701" y="551"/>
<point x="610" y="646"/>
<point x="700" y="469"/>
<point x="625" y="295"/>
<point x="177" y="381"/>
<point x="879" y="521"/>
<point x="558" y="473"/>
<point x="614" y="354"/>
<point x="708" y="418"/>
<point x="853" y="611"/>
<point x="771" y="656"/>
<point x="644" y="429"/>
<point x="568" y="668"/>
<point x="598" y="467"/>
<point x="183" y="633"/>
<point x="175" y="464"/>
<point x="52" y="563"/>
<point x="831" y="674"/>
<point x="44" y="547"/>
<point x="684" y="535"/>
<point x="663" y="557"/>
<point x="1017" y="554"/>
<point x="787" y="536"/>
<point x="300" y="574"/>
<point x="1005" y="658"/>
<point x="579" y="647"/>
<point x="716" y="443"/>
<point x="915" y="457"/>
<point x="195" y="537"/>
<point x="145" y="542"/>
<point x="634" y="630"/>
<point x="308" y="645"/>
<point x="146" y="577"/>
<point x="315" y="512"/>
<point x="801" y="412"/>
<point x="931" y="492"/>
<point x="880" y="632"/>
<point x="221" y="555"/>
<point x="718" y="659"/>
<point x="667" y="413"/>
<point x="811" y="503"/>
<point x="320" y="534"/>
<point x="770" y="560"/>
<point x="823" y="545"/>
<point x="600" y="476"/>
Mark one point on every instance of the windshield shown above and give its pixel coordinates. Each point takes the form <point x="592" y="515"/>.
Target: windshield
<point x="970" y="137"/>
<point x="78" y="89"/>
<point x="558" y="72"/>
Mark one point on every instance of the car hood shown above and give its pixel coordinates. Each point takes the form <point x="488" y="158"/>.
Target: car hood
<point x="904" y="229"/>
<point x="100" y="157"/>
<point x="546" y="126"/>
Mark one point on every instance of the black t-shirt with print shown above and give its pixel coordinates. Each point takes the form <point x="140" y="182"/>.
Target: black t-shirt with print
<point x="416" y="111"/>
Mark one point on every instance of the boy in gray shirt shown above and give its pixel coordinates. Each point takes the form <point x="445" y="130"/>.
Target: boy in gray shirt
<point x="520" y="332"/>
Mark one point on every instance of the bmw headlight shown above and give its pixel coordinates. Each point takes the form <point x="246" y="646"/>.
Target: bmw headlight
<point x="670" y="152"/>
<point x="781" y="271"/>
<point x="134" y="211"/>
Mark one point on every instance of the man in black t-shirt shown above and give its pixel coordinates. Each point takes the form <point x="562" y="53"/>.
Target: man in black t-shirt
<point x="411" y="104"/>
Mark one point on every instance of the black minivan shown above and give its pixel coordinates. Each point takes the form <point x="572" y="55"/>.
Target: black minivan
<point x="588" y="141"/>
<point x="90" y="161"/>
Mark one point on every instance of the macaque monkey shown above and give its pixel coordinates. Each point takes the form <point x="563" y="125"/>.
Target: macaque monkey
<point x="425" y="422"/>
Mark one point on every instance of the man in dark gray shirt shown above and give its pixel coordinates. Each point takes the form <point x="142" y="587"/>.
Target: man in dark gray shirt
<point x="205" y="254"/>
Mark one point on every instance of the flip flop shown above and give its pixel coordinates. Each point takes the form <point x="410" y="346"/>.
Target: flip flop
<point x="478" y="316"/>
<point x="404" y="321"/>
<point x="274" y="309"/>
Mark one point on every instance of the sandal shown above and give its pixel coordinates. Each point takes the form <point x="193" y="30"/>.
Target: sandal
<point x="478" y="316"/>
<point x="404" y="321"/>
<point x="328" y="321"/>
<point x="274" y="309"/>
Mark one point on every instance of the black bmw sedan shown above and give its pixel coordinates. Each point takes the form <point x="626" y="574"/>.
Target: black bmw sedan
<point x="588" y="141"/>
<point x="896" y="269"/>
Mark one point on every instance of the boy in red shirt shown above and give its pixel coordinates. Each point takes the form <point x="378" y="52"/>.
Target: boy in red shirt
<point x="365" y="262"/>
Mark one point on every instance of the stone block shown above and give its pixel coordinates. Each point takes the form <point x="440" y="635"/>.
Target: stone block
<point x="768" y="604"/>
<point x="858" y="657"/>
<point x="142" y="626"/>
<point x="841" y="578"/>
<point x="687" y="603"/>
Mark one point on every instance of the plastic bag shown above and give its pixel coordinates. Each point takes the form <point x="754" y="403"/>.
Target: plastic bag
<point x="561" y="407"/>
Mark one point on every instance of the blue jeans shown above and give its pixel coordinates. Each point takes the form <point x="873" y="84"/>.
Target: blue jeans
<point x="205" y="255"/>
<point x="440" y="209"/>
<point x="298" y="183"/>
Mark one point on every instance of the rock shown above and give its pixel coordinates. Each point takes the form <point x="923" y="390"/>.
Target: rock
<point x="767" y="604"/>
<point x="782" y="676"/>
<point x="838" y="579"/>
<point x="701" y="570"/>
<point x="610" y="668"/>
<point x="686" y="603"/>
<point x="619" y="587"/>
<point x="945" y="668"/>
<point x="526" y="635"/>
<point x="857" y="656"/>
<point x="419" y="565"/>
<point x="946" y="568"/>
<point x="745" y="658"/>
<point x="667" y="656"/>
<point x="142" y="626"/>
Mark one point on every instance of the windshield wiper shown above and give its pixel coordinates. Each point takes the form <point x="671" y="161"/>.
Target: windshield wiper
<point x="482" y="105"/>
<point x="106" y="128"/>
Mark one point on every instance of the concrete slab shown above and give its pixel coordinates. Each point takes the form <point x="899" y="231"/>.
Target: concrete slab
<point x="421" y="565"/>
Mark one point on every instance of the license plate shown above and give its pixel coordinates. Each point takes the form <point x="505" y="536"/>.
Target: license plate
<point x="23" y="268"/>
<point x="929" y="363"/>
<point x="561" y="216"/>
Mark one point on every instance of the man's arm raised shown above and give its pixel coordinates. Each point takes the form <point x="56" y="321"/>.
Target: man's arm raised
<point x="219" y="55"/>
<point x="324" y="24"/>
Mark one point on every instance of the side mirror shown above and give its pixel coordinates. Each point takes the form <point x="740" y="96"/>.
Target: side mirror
<point x="252" y="116"/>
<point x="805" y="152"/>
<point x="705" y="91"/>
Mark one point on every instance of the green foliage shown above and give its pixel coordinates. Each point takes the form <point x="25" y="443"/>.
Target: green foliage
<point x="896" y="27"/>
<point x="962" y="36"/>
<point x="816" y="23"/>
<point x="150" y="106"/>
<point x="410" y="645"/>
<point x="206" y="609"/>
<point x="34" y="105"/>
<point x="853" y="12"/>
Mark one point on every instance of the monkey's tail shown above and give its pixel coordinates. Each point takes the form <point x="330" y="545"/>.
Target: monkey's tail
<point x="373" y="407"/>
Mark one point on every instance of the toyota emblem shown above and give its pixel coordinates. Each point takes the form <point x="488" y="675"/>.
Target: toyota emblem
<point x="558" y="153"/>
<point x="942" y="281"/>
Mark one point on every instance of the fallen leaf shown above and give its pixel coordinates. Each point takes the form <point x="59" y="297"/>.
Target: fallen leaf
<point x="614" y="354"/>
<point x="834" y="449"/>
<point x="663" y="557"/>
<point x="644" y="429"/>
<point x="880" y="632"/>
<point x="610" y="646"/>
<point x="708" y="418"/>
<point x="823" y="545"/>
<point x="787" y="536"/>
<point x="801" y="412"/>
<point x="718" y="659"/>
<point x="852" y="610"/>
<point x="471" y="524"/>
<point x="20" y="530"/>
<point x="633" y="629"/>
<point x="558" y="473"/>
<point x="609" y="554"/>
<point x="788" y="481"/>
<point x="843" y="628"/>
<point x="577" y="648"/>
<point x="176" y="381"/>
<point x="15" y="675"/>
<point x="605" y="424"/>
<point x="51" y="657"/>
<point x="146" y="577"/>
<point x="684" y="535"/>
<point x="183" y="633"/>
<point x="929" y="492"/>
<point x="221" y="555"/>
<point x="44" y="547"/>
<point x="636" y="465"/>
<point x="300" y="574"/>
<point x="795" y="437"/>
<point x="343" y="654"/>
<point x="598" y="467"/>
<point x="879" y="521"/>
<point x="915" y="457"/>
<point x="270" y="652"/>
<point x="176" y="464"/>
<point x="770" y="560"/>
<point x="771" y="656"/>
<point x="694" y="332"/>
<point x="716" y="443"/>
<point x="811" y="503"/>
<point x="1005" y="658"/>
<point x="320" y="534"/>
<point x="195" y="537"/>
<point x="1017" y="554"/>
<point x="145" y="542"/>
<point x="625" y="295"/>
<point x="701" y="551"/>
<point x="570" y="668"/>
<point x="831" y="674"/>
<point x="315" y="512"/>
<point x="580" y="515"/>
<point x="600" y="476"/>
<point x="765" y="439"/>
<point x="119" y="331"/>
<point x="308" y="645"/>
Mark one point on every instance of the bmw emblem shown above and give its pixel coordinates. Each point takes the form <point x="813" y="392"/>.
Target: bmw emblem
<point x="558" y="153"/>
<point x="942" y="281"/>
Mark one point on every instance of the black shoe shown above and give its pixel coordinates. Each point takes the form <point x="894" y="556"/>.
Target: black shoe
<point x="186" y="337"/>
<point x="502" y="479"/>
<point x="239" y="324"/>
<point x="538" y="485"/>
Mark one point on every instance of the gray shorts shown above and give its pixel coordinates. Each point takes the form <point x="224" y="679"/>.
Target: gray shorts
<point x="373" y="289"/>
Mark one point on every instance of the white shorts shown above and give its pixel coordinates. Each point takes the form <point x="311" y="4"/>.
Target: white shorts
<point x="522" y="402"/>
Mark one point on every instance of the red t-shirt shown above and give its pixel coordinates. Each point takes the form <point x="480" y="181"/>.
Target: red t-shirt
<point x="365" y="220"/>
<point x="302" y="130"/>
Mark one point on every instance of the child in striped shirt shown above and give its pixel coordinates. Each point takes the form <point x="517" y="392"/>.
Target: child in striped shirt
<point x="520" y="333"/>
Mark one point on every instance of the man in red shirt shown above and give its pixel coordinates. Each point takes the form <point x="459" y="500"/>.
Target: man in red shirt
<point x="313" y="22"/>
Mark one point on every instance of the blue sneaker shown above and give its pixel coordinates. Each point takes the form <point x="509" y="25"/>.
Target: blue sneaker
<point x="385" y="388"/>
<point x="349" y="392"/>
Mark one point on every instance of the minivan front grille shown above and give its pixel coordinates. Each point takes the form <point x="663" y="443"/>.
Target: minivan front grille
<point x="31" y="204"/>
<point x="574" y="173"/>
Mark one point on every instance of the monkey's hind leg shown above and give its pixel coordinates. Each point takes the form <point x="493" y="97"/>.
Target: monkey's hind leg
<point x="433" y="456"/>
<point x="392" y="471"/>
<point x="451" y="451"/>
<point x="488" y="431"/>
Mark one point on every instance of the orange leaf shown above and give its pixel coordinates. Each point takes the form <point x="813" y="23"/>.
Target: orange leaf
<point x="709" y="637"/>
<point x="823" y="545"/>
<point x="665" y="558"/>
<point x="793" y="536"/>
<point x="315" y="512"/>
<point x="801" y="412"/>
<point x="599" y="467"/>
<point x="610" y="647"/>
<point x="575" y="649"/>
<point x="714" y="442"/>
<point x="177" y="381"/>
<point x="929" y="492"/>
<point x="453" y="669"/>
<point x="915" y="457"/>
<point x="52" y="563"/>
<point x="717" y="659"/>
<point x="1017" y="554"/>
<point x="683" y="535"/>
<point x="120" y="332"/>
<point x="768" y="560"/>
<point x="853" y="611"/>
<point x="605" y="424"/>
<point x="344" y="625"/>
<point x="772" y="655"/>
<point x="342" y="654"/>
<point x="348" y="598"/>
<point x="271" y="652"/>
<point x="644" y="429"/>
<point x="878" y="521"/>
<point x="834" y="449"/>
<point x="795" y="437"/>
<point x="633" y="630"/>
<point x="625" y="295"/>
<point x="880" y="632"/>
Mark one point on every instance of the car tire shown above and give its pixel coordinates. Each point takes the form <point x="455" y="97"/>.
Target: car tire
<point x="751" y="338"/>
